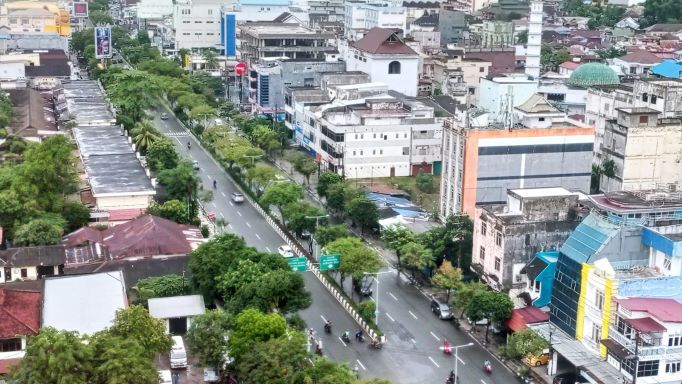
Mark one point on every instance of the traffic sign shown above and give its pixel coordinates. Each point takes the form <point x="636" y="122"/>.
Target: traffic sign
<point x="330" y="261"/>
<point x="240" y="68"/>
<point x="298" y="264"/>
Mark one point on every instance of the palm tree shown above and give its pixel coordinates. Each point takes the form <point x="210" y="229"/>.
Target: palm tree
<point x="144" y="134"/>
<point x="211" y="59"/>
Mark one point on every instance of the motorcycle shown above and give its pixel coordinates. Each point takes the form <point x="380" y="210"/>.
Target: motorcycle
<point x="451" y="378"/>
<point x="327" y="327"/>
<point x="447" y="349"/>
<point x="375" y="344"/>
<point x="318" y="349"/>
<point x="487" y="367"/>
<point x="345" y="338"/>
<point x="360" y="337"/>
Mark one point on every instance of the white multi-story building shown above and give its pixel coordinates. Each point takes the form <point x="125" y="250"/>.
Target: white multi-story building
<point x="361" y="16"/>
<point x="601" y="105"/>
<point x="197" y="24"/>
<point x="154" y="9"/>
<point x="366" y="133"/>
<point x="387" y="59"/>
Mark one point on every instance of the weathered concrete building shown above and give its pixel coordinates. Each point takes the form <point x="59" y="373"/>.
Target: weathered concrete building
<point x="507" y="236"/>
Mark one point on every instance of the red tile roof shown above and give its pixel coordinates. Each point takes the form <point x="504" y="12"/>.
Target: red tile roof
<point x="645" y="324"/>
<point x="569" y="65"/>
<point x="125" y="214"/>
<point x="382" y="41"/>
<point x="666" y="310"/>
<point x="641" y="57"/>
<point x="145" y="236"/>
<point x="521" y="317"/>
<point x="19" y="312"/>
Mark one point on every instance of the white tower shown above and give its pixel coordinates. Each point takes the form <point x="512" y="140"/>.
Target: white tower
<point x="534" y="44"/>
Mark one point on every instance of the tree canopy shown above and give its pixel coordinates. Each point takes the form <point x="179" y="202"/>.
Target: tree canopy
<point x="207" y="337"/>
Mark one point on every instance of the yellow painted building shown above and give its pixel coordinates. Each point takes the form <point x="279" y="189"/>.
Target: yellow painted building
<point x="35" y="16"/>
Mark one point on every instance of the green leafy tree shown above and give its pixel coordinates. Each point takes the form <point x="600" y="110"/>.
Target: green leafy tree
<point x="356" y="258"/>
<point x="265" y="138"/>
<point x="162" y="67"/>
<point x="299" y="216"/>
<point x="525" y="342"/>
<point x="161" y="154"/>
<point x="261" y="174"/>
<point x="522" y="37"/>
<point x="180" y="183"/>
<point x="76" y="215"/>
<point x="275" y="360"/>
<point x="304" y="165"/>
<point x="46" y="230"/>
<point x="281" y="194"/>
<point x="144" y="135"/>
<point x="465" y="292"/>
<point x="336" y="197"/>
<point x="174" y="210"/>
<point x="395" y="237"/>
<point x="325" y="180"/>
<point x="363" y="212"/>
<point x="134" y="92"/>
<point x="251" y="327"/>
<point x="662" y="11"/>
<point x="416" y="256"/>
<point x="324" y="371"/>
<point x="100" y="18"/>
<point x="10" y="211"/>
<point x="493" y="306"/>
<point x="162" y="286"/>
<point x="143" y="37"/>
<point x="452" y="241"/>
<point x="553" y="57"/>
<point x="279" y="290"/>
<point x="135" y="323"/>
<point x="201" y="112"/>
<point x="325" y="234"/>
<point x="55" y="357"/>
<point x="214" y="258"/>
<point x="117" y="360"/>
<point x="207" y="337"/>
<point x="367" y="309"/>
<point x="447" y="278"/>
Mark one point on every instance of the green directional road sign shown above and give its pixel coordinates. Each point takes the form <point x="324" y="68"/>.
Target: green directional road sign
<point x="298" y="264"/>
<point x="330" y="261"/>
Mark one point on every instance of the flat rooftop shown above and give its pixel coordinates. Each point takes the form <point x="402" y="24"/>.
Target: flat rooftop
<point x="101" y="140"/>
<point x="86" y="102"/>
<point x="542" y="192"/>
<point x="278" y="30"/>
<point x="85" y="303"/>
<point x="638" y="201"/>
<point x="121" y="173"/>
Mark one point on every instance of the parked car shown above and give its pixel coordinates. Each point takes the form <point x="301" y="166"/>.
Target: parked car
<point x="536" y="361"/>
<point x="285" y="251"/>
<point x="165" y="377"/>
<point x="237" y="197"/>
<point x="178" y="355"/>
<point x="441" y="309"/>
<point x="164" y="116"/>
<point x="569" y="378"/>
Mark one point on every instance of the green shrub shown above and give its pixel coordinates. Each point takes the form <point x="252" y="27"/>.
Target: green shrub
<point x="204" y="230"/>
<point x="424" y="183"/>
<point x="367" y="309"/>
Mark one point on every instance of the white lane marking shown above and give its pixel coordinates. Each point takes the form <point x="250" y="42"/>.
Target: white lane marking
<point x="461" y="361"/>
<point x="323" y="319"/>
<point x="257" y="236"/>
<point x="434" y="336"/>
<point x="229" y="225"/>
<point x="414" y="341"/>
<point x="239" y="213"/>
<point x="371" y="298"/>
<point x="248" y="225"/>
<point x="269" y="251"/>
<point x="483" y="381"/>
<point x="213" y="204"/>
<point x="231" y="205"/>
<point x="393" y="296"/>
<point x="434" y="363"/>
<point x="389" y="316"/>
<point x="342" y="342"/>
<point x="223" y="193"/>
<point x="362" y="366"/>
<point x="222" y="216"/>
<point x="413" y="315"/>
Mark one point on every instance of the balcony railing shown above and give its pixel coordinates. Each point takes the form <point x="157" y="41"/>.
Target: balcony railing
<point x="644" y="351"/>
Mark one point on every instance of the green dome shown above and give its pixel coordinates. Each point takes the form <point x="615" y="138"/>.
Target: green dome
<point x="590" y="74"/>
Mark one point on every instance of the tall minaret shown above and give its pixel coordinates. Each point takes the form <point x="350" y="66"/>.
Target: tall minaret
<point x="534" y="39"/>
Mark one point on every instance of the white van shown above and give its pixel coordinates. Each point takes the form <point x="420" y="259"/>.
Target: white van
<point x="178" y="355"/>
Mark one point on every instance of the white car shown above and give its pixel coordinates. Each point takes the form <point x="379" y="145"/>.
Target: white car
<point x="285" y="251"/>
<point x="165" y="377"/>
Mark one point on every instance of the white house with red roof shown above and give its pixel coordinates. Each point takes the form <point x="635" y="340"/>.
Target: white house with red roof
<point x="645" y="339"/>
<point x="383" y="55"/>
<point x="567" y="67"/>
<point x="637" y="62"/>
<point x="19" y="319"/>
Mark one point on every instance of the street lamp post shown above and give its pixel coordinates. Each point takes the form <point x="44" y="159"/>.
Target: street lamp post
<point x="317" y="224"/>
<point x="376" y="312"/>
<point x="456" y="348"/>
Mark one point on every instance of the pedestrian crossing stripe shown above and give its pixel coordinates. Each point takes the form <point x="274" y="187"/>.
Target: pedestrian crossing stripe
<point x="177" y="134"/>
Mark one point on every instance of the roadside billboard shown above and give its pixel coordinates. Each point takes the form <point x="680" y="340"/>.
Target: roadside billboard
<point x="229" y="35"/>
<point x="103" y="42"/>
<point x="80" y="9"/>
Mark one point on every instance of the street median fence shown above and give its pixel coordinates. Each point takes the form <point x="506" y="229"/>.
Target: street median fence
<point x="347" y="304"/>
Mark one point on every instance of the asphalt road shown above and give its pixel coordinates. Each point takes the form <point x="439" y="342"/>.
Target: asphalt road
<point x="414" y="335"/>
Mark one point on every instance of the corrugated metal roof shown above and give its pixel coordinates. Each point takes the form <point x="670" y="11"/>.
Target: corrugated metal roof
<point x="588" y="238"/>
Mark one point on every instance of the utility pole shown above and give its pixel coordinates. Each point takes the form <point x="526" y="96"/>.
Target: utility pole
<point x="376" y="277"/>
<point x="317" y="224"/>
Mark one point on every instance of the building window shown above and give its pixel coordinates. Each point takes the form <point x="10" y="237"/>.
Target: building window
<point x="498" y="238"/>
<point x="599" y="300"/>
<point x="484" y="229"/>
<point x="541" y="119"/>
<point x="210" y="12"/>
<point x="381" y="151"/>
<point x="394" y="68"/>
<point x="647" y="368"/>
<point x="672" y="366"/>
<point x="674" y="341"/>
<point x="654" y="98"/>
<point x="644" y="119"/>
<point x="481" y="253"/>
<point x="596" y="333"/>
<point x="481" y="69"/>
<point x="24" y="272"/>
<point x="10" y="345"/>
<point x="498" y="264"/>
<point x="667" y="263"/>
<point x="645" y="97"/>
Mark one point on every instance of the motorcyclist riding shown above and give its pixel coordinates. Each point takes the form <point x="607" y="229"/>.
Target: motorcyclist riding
<point x="359" y="335"/>
<point x="346" y="336"/>
<point x="328" y="326"/>
<point x="215" y="184"/>
<point x="446" y="347"/>
<point x="487" y="366"/>
<point x="189" y="145"/>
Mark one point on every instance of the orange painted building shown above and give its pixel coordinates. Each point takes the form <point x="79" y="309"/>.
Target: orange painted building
<point x="481" y="164"/>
